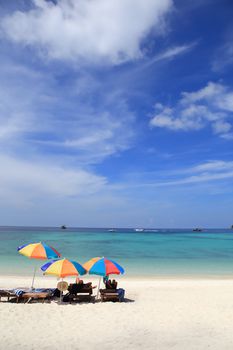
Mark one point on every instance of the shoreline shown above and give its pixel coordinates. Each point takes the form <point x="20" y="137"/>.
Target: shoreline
<point x="129" y="277"/>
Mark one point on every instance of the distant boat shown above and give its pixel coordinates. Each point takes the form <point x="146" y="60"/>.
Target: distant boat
<point x="139" y="230"/>
<point x="232" y="227"/>
<point x="63" y="227"/>
<point x="112" y="230"/>
<point x="197" y="229"/>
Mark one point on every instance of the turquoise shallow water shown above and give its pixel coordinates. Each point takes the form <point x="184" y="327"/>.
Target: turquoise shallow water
<point x="159" y="253"/>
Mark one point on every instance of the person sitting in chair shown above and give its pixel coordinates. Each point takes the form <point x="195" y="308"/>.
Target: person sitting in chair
<point x="114" y="284"/>
<point x="76" y="287"/>
<point x="111" y="284"/>
<point x="108" y="284"/>
<point x="111" y="288"/>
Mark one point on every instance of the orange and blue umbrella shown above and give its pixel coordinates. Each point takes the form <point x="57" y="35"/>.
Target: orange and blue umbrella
<point x="38" y="251"/>
<point x="103" y="267"/>
<point x="63" y="268"/>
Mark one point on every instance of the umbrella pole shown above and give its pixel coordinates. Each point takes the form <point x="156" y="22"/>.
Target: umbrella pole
<point x="61" y="293"/>
<point x="98" y="287"/>
<point x="33" y="278"/>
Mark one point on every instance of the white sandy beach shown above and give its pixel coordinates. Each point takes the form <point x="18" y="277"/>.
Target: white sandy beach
<point x="162" y="314"/>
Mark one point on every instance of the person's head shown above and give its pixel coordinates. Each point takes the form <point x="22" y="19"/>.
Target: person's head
<point x="114" y="283"/>
<point x="77" y="280"/>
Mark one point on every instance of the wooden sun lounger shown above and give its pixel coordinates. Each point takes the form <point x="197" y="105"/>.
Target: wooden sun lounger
<point x="84" y="294"/>
<point x="27" y="295"/>
<point x="110" y="295"/>
<point x="7" y="294"/>
<point x="81" y="297"/>
<point x="30" y="296"/>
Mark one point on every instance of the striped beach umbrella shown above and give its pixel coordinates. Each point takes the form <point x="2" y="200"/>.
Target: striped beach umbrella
<point x="38" y="251"/>
<point x="63" y="268"/>
<point x="103" y="267"/>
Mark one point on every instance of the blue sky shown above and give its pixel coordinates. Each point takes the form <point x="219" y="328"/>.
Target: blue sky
<point x="116" y="113"/>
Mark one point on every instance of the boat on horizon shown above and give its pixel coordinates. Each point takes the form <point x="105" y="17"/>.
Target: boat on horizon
<point x="139" y="230"/>
<point x="63" y="227"/>
<point x="111" y="230"/>
<point x="197" y="229"/>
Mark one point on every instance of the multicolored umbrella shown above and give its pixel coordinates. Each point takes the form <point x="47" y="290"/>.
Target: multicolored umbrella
<point x="38" y="251"/>
<point x="103" y="267"/>
<point x="63" y="268"/>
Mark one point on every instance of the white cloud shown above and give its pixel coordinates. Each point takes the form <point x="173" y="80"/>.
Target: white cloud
<point x="11" y="127"/>
<point x="172" y="52"/>
<point x="228" y="136"/>
<point x="169" y="54"/>
<point x="215" y="170"/>
<point x="109" y="30"/>
<point x="94" y="141"/>
<point x="221" y="127"/>
<point x="210" y="171"/>
<point x="50" y="140"/>
<point x="165" y="119"/>
<point x="224" y="55"/>
<point x="214" y="165"/>
<point x="201" y="178"/>
<point x="17" y="102"/>
<point x="214" y="93"/>
<point x="37" y="115"/>
<point x="225" y="102"/>
<point x="38" y="178"/>
<point x="211" y="90"/>
<point x="209" y="106"/>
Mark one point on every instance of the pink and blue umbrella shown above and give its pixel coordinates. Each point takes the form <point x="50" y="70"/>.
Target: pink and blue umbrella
<point x="103" y="267"/>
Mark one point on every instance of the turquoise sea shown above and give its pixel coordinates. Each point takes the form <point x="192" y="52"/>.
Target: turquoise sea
<point x="152" y="252"/>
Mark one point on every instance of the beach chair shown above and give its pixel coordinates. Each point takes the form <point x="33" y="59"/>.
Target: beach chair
<point x="112" y="294"/>
<point x="27" y="295"/>
<point x="83" y="292"/>
<point x="31" y="296"/>
<point x="7" y="294"/>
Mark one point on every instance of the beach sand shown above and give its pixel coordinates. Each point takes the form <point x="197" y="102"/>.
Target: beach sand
<point x="173" y="313"/>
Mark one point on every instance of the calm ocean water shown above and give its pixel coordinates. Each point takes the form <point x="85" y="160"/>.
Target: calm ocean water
<point x="160" y="253"/>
